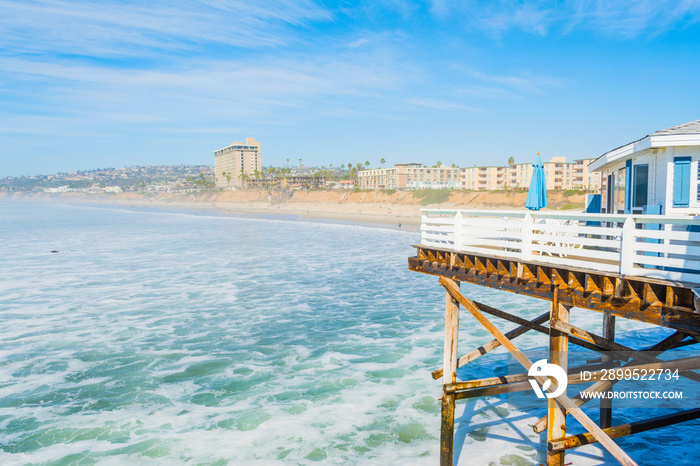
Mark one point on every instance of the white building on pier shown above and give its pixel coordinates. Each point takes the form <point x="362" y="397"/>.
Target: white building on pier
<point x="657" y="174"/>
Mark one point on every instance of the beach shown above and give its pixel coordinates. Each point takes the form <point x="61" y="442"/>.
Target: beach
<point x="388" y="208"/>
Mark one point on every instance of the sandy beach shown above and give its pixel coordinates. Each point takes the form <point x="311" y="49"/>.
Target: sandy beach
<point x="399" y="209"/>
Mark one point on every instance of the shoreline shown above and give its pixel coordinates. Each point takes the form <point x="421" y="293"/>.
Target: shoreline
<point x="386" y="209"/>
<point x="313" y="213"/>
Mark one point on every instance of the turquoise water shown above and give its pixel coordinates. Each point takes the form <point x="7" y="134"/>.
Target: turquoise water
<point x="157" y="337"/>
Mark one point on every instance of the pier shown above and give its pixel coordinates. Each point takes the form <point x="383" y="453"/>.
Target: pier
<point x="640" y="267"/>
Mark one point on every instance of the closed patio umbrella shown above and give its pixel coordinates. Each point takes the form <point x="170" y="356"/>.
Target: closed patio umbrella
<point x="537" y="192"/>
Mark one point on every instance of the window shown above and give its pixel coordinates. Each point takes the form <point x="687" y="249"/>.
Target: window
<point x="620" y="198"/>
<point x="609" y="193"/>
<point x="681" y="181"/>
<point x="640" y="188"/>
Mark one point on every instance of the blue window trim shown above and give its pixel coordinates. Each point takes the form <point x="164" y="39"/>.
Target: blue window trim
<point x="628" y="186"/>
<point x="681" y="181"/>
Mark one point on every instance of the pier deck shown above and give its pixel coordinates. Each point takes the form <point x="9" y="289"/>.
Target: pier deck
<point x="645" y="268"/>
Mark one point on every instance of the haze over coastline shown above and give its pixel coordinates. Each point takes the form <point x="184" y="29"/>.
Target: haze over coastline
<point x="88" y="85"/>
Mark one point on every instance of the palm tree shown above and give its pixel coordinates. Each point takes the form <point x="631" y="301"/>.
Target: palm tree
<point x="244" y="177"/>
<point x="382" y="162"/>
<point x="287" y="163"/>
<point x="511" y="161"/>
<point x="439" y="164"/>
<point x="300" y="164"/>
<point x="349" y="165"/>
<point x="367" y="164"/>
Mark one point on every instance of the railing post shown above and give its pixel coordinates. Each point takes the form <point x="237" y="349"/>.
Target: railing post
<point x="457" y="243"/>
<point x="423" y="223"/>
<point x="526" y="239"/>
<point x="627" y="247"/>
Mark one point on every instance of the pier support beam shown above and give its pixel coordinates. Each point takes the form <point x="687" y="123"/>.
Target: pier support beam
<point x="563" y="400"/>
<point x="606" y="403"/>
<point x="449" y="376"/>
<point x="558" y="354"/>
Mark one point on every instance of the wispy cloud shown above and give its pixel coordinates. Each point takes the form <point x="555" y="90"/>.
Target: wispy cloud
<point x="523" y="82"/>
<point x="359" y="42"/>
<point x="620" y="18"/>
<point x="113" y="28"/>
<point x="211" y="90"/>
<point x="437" y="104"/>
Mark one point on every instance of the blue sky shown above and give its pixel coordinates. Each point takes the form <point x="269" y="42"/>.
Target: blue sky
<point x="86" y="85"/>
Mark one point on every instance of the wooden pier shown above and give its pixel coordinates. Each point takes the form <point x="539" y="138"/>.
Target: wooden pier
<point x="645" y="268"/>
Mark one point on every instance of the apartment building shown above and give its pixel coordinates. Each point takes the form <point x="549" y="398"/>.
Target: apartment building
<point x="410" y="176"/>
<point x="379" y="178"/>
<point x="559" y="174"/>
<point x="233" y="162"/>
<point x="519" y="175"/>
<point x="433" y="177"/>
<point x="585" y="178"/>
<point x="486" y="178"/>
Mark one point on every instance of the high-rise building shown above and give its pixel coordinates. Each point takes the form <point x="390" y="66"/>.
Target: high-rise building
<point x="234" y="162"/>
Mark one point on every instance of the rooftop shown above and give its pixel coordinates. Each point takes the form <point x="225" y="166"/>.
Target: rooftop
<point x="686" y="134"/>
<point x="692" y="127"/>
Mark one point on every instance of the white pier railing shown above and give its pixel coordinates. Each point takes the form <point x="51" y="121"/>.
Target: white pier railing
<point x="655" y="246"/>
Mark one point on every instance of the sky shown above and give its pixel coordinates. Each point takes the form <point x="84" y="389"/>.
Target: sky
<point x="86" y="85"/>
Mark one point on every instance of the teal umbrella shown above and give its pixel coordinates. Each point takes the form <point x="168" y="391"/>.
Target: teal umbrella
<point x="537" y="192"/>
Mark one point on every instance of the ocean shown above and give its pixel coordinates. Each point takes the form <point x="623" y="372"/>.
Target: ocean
<point x="181" y="337"/>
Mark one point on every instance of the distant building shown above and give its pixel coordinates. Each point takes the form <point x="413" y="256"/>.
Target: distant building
<point x="441" y="177"/>
<point x="584" y="178"/>
<point x="345" y="184"/>
<point x="234" y="163"/>
<point x="558" y="172"/>
<point x="559" y="175"/>
<point x="62" y="189"/>
<point x="409" y="176"/>
<point x="484" y="178"/>
<point x="285" y="182"/>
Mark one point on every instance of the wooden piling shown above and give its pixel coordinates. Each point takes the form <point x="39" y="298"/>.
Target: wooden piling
<point x="558" y="354"/>
<point x="606" y="402"/>
<point x="449" y="376"/>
